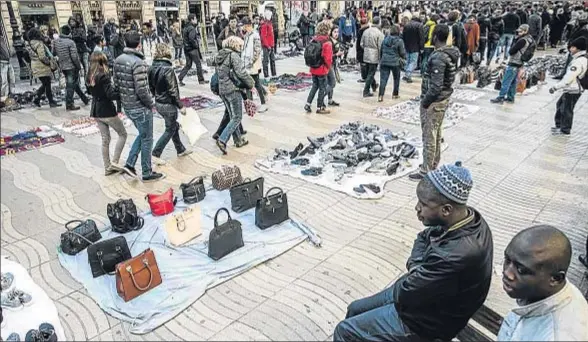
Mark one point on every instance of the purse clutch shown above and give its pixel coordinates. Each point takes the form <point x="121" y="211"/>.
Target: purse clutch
<point x="137" y="275"/>
<point x="183" y="227"/>
<point x="224" y="238"/>
<point x="104" y="255"/>
<point x="226" y="177"/>
<point x="193" y="191"/>
<point x="123" y="216"/>
<point x="271" y="209"/>
<point x="77" y="238"/>
<point x="245" y="195"/>
<point x="162" y="204"/>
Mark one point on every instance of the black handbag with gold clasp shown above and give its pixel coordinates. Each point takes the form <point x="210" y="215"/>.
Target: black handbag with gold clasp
<point x="271" y="209"/>
<point x="193" y="191"/>
<point x="224" y="238"/>
<point x="245" y="195"/>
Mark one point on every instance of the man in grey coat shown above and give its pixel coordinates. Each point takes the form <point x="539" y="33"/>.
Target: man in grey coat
<point x="131" y="81"/>
<point x="66" y="51"/>
<point x="535" y="26"/>
<point x="371" y="42"/>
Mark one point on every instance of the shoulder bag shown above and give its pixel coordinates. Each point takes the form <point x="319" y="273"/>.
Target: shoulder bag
<point x="77" y="238"/>
<point x="245" y="195"/>
<point x="224" y="238"/>
<point x="184" y="226"/>
<point x="49" y="60"/>
<point x="271" y="209"/>
<point x="123" y="216"/>
<point x="162" y="204"/>
<point x="137" y="275"/>
<point x="226" y="177"/>
<point x="194" y="191"/>
<point x="104" y="255"/>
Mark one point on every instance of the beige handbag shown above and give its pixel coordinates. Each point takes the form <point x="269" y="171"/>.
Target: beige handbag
<point x="184" y="226"/>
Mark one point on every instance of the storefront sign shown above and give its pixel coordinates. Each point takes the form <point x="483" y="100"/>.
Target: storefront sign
<point x="129" y="5"/>
<point x="37" y="8"/>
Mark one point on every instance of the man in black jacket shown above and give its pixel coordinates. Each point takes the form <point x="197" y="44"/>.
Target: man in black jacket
<point x="413" y="38"/>
<point x="511" y="23"/>
<point x="494" y="36"/>
<point x="69" y="61"/>
<point x="359" y="49"/>
<point x="484" y="23"/>
<point x="80" y="37"/>
<point x="192" y="50"/>
<point x="449" y="270"/>
<point x="436" y="88"/>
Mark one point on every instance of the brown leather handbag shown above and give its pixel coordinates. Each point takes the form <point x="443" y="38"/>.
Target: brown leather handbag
<point x="137" y="275"/>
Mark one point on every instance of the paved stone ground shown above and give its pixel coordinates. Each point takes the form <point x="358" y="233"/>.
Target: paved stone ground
<point x="522" y="176"/>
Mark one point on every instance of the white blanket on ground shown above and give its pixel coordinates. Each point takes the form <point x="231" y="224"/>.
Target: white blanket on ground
<point x="187" y="272"/>
<point x="40" y="310"/>
<point x="86" y="126"/>
<point x="409" y="112"/>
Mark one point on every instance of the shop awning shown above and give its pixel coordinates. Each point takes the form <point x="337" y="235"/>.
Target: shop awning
<point x="36" y="8"/>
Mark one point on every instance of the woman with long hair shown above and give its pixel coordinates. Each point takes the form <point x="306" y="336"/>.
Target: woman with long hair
<point x="104" y="111"/>
<point x="177" y="40"/>
<point x="40" y="66"/>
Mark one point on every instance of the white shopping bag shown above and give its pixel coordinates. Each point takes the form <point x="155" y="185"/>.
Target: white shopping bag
<point x="191" y="125"/>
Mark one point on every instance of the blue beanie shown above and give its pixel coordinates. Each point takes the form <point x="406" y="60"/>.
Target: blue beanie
<point x="452" y="181"/>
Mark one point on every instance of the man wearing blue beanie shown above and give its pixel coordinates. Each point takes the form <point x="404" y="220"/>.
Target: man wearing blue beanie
<point x="449" y="270"/>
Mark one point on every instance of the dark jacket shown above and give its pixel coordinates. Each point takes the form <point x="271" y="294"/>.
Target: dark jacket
<point x="448" y="280"/>
<point x="108" y="30"/>
<point x="535" y="25"/>
<point x="191" y="37"/>
<point x="440" y="75"/>
<point x="358" y="48"/>
<point x="163" y="83"/>
<point x="496" y="29"/>
<point x="581" y="31"/>
<point x="130" y="79"/>
<point x="511" y="22"/>
<point x="226" y="33"/>
<point x="227" y="60"/>
<point x="484" y="23"/>
<point x="517" y="48"/>
<point x="392" y="51"/>
<point x="545" y="18"/>
<point x="65" y="49"/>
<point x="304" y="25"/>
<point x="103" y="93"/>
<point x="80" y="37"/>
<point x="413" y="36"/>
<point x="522" y="16"/>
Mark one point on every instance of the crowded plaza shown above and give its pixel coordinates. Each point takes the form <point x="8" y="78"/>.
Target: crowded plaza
<point x="338" y="170"/>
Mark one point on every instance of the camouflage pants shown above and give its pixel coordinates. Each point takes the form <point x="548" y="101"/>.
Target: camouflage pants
<point x="432" y="127"/>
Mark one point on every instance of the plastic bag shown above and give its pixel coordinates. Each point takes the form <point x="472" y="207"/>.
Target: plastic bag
<point x="191" y="125"/>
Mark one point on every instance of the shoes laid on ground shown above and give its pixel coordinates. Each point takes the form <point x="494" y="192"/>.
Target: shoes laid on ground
<point x="296" y="151"/>
<point x="154" y="176"/>
<point x="203" y="82"/>
<point x="72" y="108"/>
<point x="6" y="280"/>
<point x="313" y="171"/>
<point x="307" y="108"/>
<point x="371" y="187"/>
<point x="333" y="104"/>
<point x="14" y="337"/>
<point x="499" y="100"/>
<point x="316" y="143"/>
<point x="560" y="132"/>
<point x="221" y="146"/>
<point x="185" y="153"/>
<point x="417" y="176"/>
<point x="158" y="161"/>
<point x="307" y="150"/>
<point x="392" y="168"/>
<point x="15" y="299"/>
<point x="48" y="332"/>
<point x="280" y="154"/>
<point x="243" y="142"/>
<point x="323" y="110"/>
<point x="300" y="161"/>
<point x="129" y="170"/>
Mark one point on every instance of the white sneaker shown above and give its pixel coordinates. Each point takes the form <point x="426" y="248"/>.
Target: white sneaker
<point x="262" y="109"/>
<point x="158" y="161"/>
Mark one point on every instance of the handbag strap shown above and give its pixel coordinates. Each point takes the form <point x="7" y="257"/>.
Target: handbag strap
<point x="192" y="182"/>
<point x="281" y="192"/>
<point x="216" y="216"/>
<point x="99" y="255"/>
<point x="129" y="269"/>
<point x="80" y="222"/>
<point x="81" y="236"/>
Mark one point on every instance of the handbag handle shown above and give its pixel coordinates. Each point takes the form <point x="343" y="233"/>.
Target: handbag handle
<point x="199" y="178"/>
<point x="216" y="216"/>
<point x="81" y="236"/>
<point x="281" y="192"/>
<point x="80" y="222"/>
<point x="99" y="255"/>
<point x="130" y="270"/>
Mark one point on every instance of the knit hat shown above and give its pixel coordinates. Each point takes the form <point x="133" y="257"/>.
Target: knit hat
<point x="452" y="181"/>
<point x="580" y="43"/>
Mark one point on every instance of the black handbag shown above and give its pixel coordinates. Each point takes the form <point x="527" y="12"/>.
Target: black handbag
<point x="225" y="238"/>
<point x="193" y="191"/>
<point x="104" y="255"/>
<point x="76" y="239"/>
<point x="245" y="195"/>
<point x="123" y="216"/>
<point x="271" y="209"/>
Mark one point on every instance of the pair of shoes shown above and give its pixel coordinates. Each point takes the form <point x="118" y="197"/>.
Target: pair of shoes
<point x="371" y="187"/>
<point x="129" y="170"/>
<point x="300" y="161"/>
<point x="243" y="142"/>
<point x="323" y="110"/>
<point x="185" y="153"/>
<point x="333" y="104"/>
<point x="46" y="332"/>
<point x="380" y="98"/>
<point x="72" y="108"/>
<point x="203" y="82"/>
<point x="6" y="280"/>
<point x="221" y="146"/>
<point x="154" y="176"/>
<point x="296" y="151"/>
<point x="15" y="299"/>
<point x="368" y="95"/>
<point x="307" y="108"/>
<point x="13" y="337"/>
<point x="417" y="176"/>
<point x="499" y="100"/>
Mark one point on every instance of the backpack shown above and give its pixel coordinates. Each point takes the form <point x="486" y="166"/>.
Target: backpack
<point x="529" y="50"/>
<point x="313" y="55"/>
<point x="584" y="80"/>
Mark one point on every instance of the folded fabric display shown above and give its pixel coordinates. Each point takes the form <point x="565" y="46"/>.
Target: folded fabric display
<point x="199" y="102"/>
<point x="85" y="126"/>
<point x="29" y="140"/>
<point x="357" y="159"/>
<point x="298" y="82"/>
<point x="409" y="112"/>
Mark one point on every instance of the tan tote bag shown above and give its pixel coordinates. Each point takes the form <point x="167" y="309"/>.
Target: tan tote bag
<point x="183" y="227"/>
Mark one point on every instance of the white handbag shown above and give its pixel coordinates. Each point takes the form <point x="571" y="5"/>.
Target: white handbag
<point x="183" y="227"/>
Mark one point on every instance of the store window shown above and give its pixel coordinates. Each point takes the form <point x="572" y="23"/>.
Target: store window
<point x="38" y="14"/>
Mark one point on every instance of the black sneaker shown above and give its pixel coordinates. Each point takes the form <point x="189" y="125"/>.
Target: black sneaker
<point x="368" y="95"/>
<point x="34" y="335"/>
<point x="203" y="82"/>
<point x="71" y="108"/>
<point x="416" y="176"/>
<point x="509" y="101"/>
<point x="37" y="103"/>
<point x="333" y="104"/>
<point x="154" y="176"/>
<point x="215" y="136"/>
<point x="48" y="332"/>
<point x="242" y="143"/>
<point x="307" y="108"/>
<point x="499" y="100"/>
<point x="361" y="80"/>
<point x="182" y="84"/>
<point x="129" y="170"/>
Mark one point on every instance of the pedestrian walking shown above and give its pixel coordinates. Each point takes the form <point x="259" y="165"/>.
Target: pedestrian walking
<point x="178" y="42"/>
<point x="266" y="32"/>
<point x="40" y="67"/>
<point x="251" y="56"/>
<point x="69" y="61"/>
<point x="319" y="57"/>
<point x="371" y="42"/>
<point x="413" y="38"/>
<point x="393" y="56"/>
<point x="192" y="50"/>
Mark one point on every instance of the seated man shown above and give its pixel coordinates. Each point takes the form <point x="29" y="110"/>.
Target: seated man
<point x="534" y="273"/>
<point x="449" y="270"/>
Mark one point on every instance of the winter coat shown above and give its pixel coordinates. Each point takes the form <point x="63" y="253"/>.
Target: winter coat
<point x="577" y="69"/>
<point x="65" y="49"/>
<point x="327" y="53"/>
<point x="428" y="33"/>
<point x="459" y="36"/>
<point x="358" y="48"/>
<point x="577" y="33"/>
<point x="392" y="51"/>
<point x="163" y="83"/>
<point x="304" y="25"/>
<point x="440" y="75"/>
<point x="472" y="37"/>
<point x="177" y="38"/>
<point x="108" y="30"/>
<point x="371" y="42"/>
<point x="413" y="36"/>
<point x="38" y="54"/>
<point x="191" y="38"/>
<point x="103" y="93"/>
<point x="511" y="23"/>
<point x="496" y="29"/>
<point x="266" y="33"/>
<point x="227" y="60"/>
<point x="347" y="27"/>
<point x="130" y="79"/>
<point x="517" y="48"/>
<point x="251" y="53"/>
<point x="226" y="33"/>
<point x="535" y="25"/>
<point x="522" y="16"/>
<point x="484" y="23"/>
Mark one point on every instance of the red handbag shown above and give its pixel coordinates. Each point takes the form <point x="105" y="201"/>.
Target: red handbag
<point x="162" y="204"/>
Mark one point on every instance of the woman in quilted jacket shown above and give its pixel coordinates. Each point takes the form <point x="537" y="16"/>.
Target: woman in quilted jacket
<point x="391" y="54"/>
<point x="40" y="67"/>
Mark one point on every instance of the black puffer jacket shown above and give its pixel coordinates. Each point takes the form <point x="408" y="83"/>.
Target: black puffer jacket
<point x="130" y="79"/>
<point x="163" y="83"/>
<point x="448" y="279"/>
<point x="496" y="28"/>
<point x="511" y="22"/>
<point x="440" y="75"/>
<point x="65" y="49"/>
<point x="191" y="37"/>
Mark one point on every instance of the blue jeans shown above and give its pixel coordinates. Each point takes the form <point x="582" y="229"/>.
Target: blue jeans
<point x="172" y="130"/>
<point x="373" y="319"/>
<point x="509" y="83"/>
<point x="411" y="62"/>
<point x="234" y="104"/>
<point x="505" y="41"/>
<point x="143" y="121"/>
<point x="385" y="75"/>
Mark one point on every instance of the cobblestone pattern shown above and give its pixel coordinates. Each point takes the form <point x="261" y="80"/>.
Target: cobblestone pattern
<point x="522" y="176"/>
